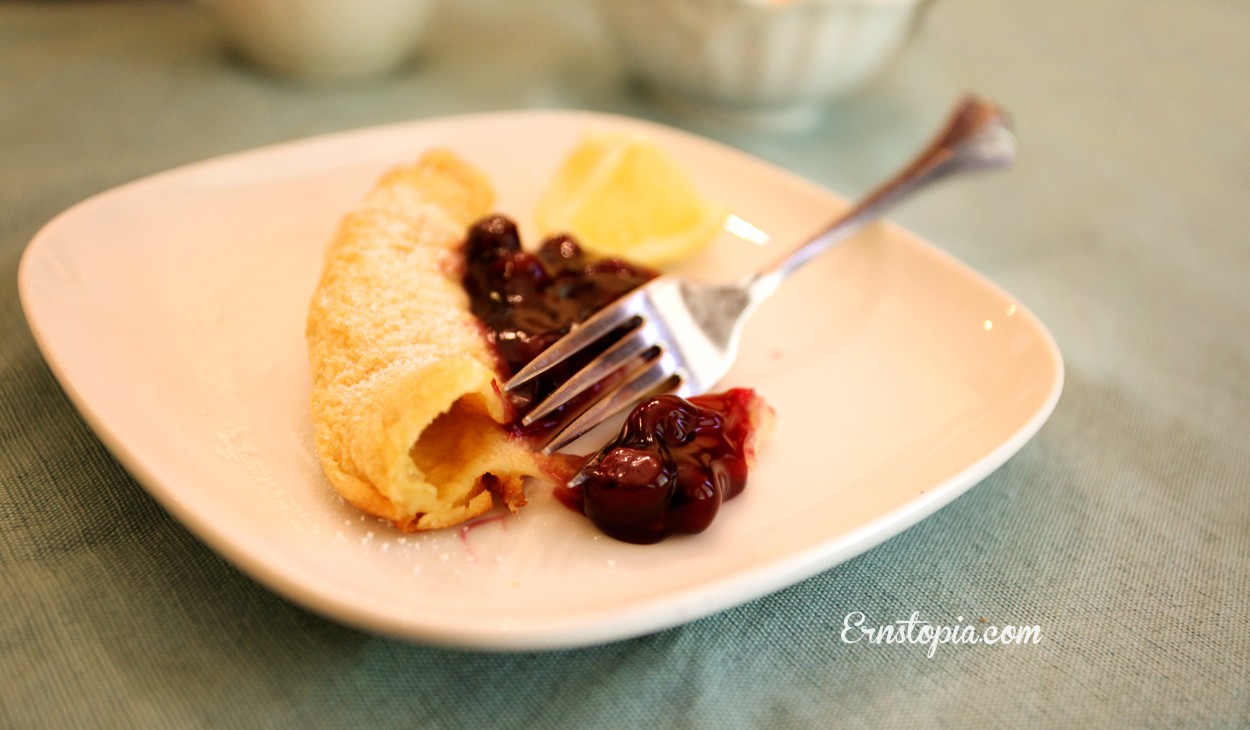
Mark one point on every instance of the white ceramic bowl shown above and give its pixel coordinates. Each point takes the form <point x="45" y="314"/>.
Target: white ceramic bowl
<point x="760" y="58"/>
<point x="323" y="40"/>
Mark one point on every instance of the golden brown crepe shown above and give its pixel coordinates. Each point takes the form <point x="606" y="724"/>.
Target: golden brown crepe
<point x="405" y="401"/>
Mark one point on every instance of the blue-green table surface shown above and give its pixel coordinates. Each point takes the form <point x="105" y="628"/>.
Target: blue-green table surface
<point x="1122" y="529"/>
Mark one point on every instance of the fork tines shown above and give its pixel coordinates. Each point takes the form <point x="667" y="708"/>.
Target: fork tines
<point x="638" y="353"/>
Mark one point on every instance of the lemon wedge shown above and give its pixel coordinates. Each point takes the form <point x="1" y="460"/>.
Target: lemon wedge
<point x="619" y="194"/>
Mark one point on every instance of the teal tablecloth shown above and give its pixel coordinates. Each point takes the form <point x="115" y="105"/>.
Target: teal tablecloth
<point x="1122" y="530"/>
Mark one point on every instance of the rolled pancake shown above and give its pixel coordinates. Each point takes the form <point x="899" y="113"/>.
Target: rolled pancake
<point x="405" y="402"/>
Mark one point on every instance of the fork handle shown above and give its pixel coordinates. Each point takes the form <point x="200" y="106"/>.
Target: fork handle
<point x="978" y="136"/>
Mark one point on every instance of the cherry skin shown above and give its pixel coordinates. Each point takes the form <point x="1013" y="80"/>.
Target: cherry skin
<point x="629" y="499"/>
<point x="671" y="467"/>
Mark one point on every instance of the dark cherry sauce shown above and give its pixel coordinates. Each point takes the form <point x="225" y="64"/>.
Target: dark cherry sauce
<point x="529" y="300"/>
<point x="676" y="460"/>
<point x="671" y="467"/>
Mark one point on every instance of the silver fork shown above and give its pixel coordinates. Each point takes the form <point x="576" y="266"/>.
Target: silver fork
<point x="683" y="336"/>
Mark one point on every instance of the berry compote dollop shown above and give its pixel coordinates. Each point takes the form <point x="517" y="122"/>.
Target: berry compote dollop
<point x="676" y="460"/>
<point x="673" y="464"/>
<point x="529" y="300"/>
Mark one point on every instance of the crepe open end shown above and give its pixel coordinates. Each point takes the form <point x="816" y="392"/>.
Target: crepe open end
<point x="408" y="416"/>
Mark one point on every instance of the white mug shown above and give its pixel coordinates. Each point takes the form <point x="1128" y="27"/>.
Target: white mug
<point x="326" y="39"/>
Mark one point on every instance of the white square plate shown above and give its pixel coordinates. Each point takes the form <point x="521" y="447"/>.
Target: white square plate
<point x="172" y="311"/>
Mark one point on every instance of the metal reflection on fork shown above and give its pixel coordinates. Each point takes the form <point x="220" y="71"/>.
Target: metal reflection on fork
<point x="682" y="336"/>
